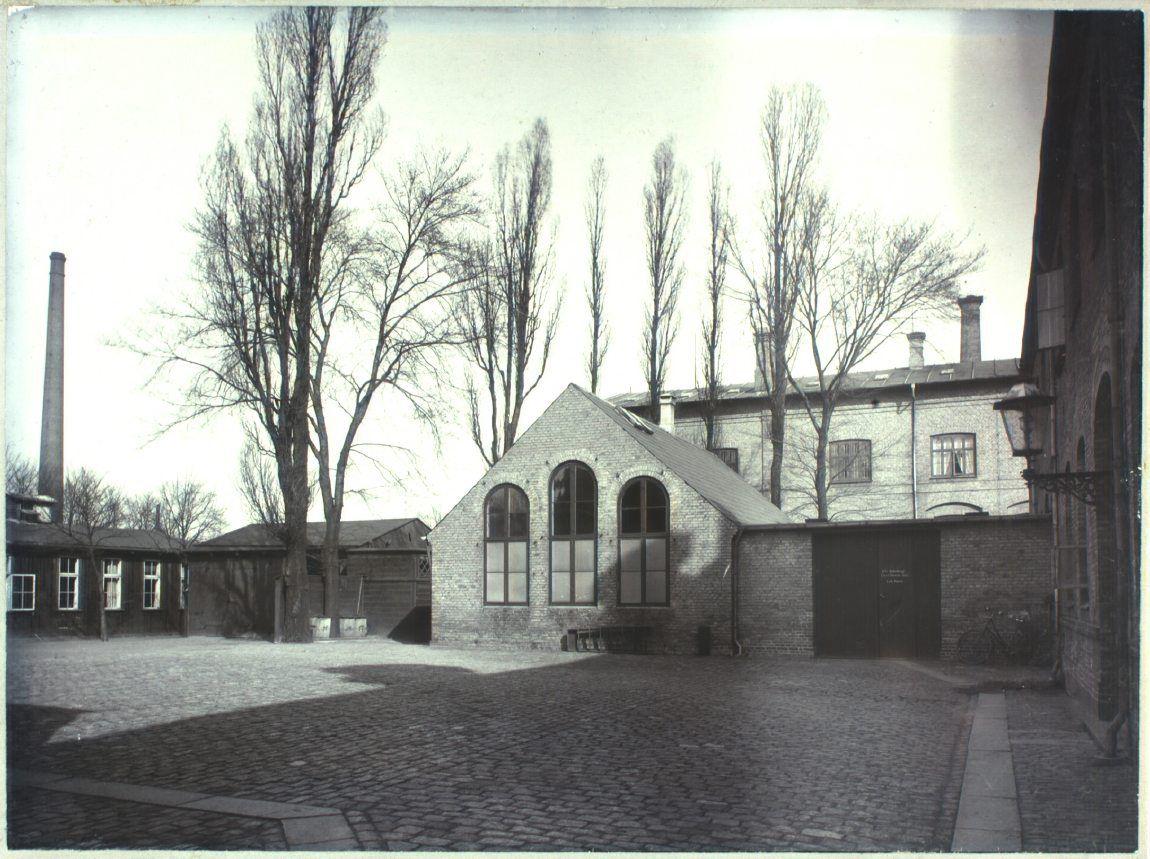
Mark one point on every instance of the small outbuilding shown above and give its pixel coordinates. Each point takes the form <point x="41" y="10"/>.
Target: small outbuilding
<point x="595" y="527"/>
<point x="385" y="577"/>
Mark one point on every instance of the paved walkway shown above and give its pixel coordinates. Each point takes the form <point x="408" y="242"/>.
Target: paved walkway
<point x="418" y="748"/>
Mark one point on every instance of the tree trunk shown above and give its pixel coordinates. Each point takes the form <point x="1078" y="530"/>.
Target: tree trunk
<point x="296" y="626"/>
<point x="821" y="496"/>
<point x="331" y="576"/>
<point x="778" y="434"/>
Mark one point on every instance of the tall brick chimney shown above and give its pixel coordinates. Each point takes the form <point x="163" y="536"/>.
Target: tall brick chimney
<point x="760" y="360"/>
<point x="667" y="412"/>
<point x="51" y="477"/>
<point x="916" y="340"/>
<point x="970" y="344"/>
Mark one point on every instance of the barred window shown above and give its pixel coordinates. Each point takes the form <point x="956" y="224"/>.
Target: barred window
<point x="729" y="455"/>
<point x="151" y="585"/>
<point x="505" y="546"/>
<point x="953" y="455"/>
<point x="68" y="584"/>
<point x="574" y="526"/>
<point x="644" y="546"/>
<point x="850" y="461"/>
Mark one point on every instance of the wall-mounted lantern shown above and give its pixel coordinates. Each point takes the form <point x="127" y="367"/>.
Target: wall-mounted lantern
<point x="1026" y="415"/>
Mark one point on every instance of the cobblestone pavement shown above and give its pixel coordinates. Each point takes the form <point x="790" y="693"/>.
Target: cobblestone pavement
<point x="93" y="823"/>
<point x="1066" y="802"/>
<point x="427" y="748"/>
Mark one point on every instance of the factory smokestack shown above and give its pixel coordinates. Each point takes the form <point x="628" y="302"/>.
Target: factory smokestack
<point x="51" y="481"/>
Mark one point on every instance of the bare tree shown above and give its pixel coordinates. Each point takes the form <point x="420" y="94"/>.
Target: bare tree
<point x="719" y="224"/>
<point x="504" y="312"/>
<point x="20" y="475"/>
<point x="596" y="220"/>
<point x="392" y="297"/>
<point x="664" y="217"/>
<point x="142" y="511"/>
<point x="858" y="285"/>
<point x="259" y="485"/>
<point x="271" y="208"/>
<point x="189" y="513"/>
<point x="790" y="132"/>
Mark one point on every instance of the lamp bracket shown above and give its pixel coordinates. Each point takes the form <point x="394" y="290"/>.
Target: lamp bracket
<point x="1086" y="486"/>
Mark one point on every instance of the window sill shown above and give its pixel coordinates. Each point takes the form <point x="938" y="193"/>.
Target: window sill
<point x="644" y="605"/>
<point x="68" y="610"/>
<point x="22" y="610"/>
<point x="506" y="605"/>
<point x="953" y="477"/>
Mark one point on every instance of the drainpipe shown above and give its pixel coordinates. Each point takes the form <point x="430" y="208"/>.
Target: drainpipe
<point x="736" y="538"/>
<point x="913" y="459"/>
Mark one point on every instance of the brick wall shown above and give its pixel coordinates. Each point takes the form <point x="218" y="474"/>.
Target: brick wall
<point x="985" y="562"/>
<point x="574" y="429"/>
<point x="776" y="603"/>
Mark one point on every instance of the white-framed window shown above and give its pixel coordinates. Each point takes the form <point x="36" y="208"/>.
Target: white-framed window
<point x="953" y="455"/>
<point x="21" y="590"/>
<point x="183" y="585"/>
<point x="113" y="577"/>
<point x="68" y="584"/>
<point x="151" y="585"/>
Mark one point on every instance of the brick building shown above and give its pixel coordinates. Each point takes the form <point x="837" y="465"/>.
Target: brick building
<point x="594" y="517"/>
<point x="917" y="441"/>
<point x="385" y="577"/>
<point x="1082" y="346"/>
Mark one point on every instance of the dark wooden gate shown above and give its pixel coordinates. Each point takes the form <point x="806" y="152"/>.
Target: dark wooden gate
<point x="877" y="593"/>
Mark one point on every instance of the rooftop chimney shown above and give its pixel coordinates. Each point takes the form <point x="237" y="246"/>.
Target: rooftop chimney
<point x="970" y="344"/>
<point x="666" y="412"/>
<point x="760" y="360"/>
<point x="51" y="478"/>
<point x="916" y="339"/>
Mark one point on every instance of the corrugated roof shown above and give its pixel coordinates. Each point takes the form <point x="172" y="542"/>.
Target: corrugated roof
<point x="130" y="539"/>
<point x="1005" y="369"/>
<point x="353" y="534"/>
<point x="697" y="467"/>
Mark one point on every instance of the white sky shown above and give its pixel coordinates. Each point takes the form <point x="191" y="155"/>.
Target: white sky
<point x="112" y="113"/>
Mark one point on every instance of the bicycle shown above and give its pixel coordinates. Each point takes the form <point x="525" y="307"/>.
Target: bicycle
<point x="1021" y="642"/>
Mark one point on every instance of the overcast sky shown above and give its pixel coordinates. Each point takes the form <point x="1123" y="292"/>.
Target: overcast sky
<point x="112" y="113"/>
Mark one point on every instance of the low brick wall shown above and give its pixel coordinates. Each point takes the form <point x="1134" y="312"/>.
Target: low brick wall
<point x="1000" y="563"/>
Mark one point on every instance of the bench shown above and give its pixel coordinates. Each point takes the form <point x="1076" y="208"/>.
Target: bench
<point x="616" y="639"/>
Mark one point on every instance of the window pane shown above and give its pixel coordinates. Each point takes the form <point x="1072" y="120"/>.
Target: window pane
<point x="585" y="555"/>
<point x="560" y="556"/>
<point x="656" y="520"/>
<point x="656" y="586"/>
<point x="629" y="587"/>
<point x="497" y="514"/>
<point x="495" y="587"/>
<point x="517" y="504"/>
<point x="631" y="554"/>
<point x="561" y="519"/>
<point x="585" y="518"/>
<point x="631" y="523"/>
<point x="560" y="587"/>
<point x="656" y="495"/>
<point x="561" y="486"/>
<point x="585" y="484"/>
<point x="516" y="500"/>
<point x="632" y="494"/>
<point x="495" y="557"/>
<point x="517" y="557"/>
<point x="584" y="587"/>
<point x="518" y="525"/>
<point x="657" y="554"/>
<point x="517" y="587"/>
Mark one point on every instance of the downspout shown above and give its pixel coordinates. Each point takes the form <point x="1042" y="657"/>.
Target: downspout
<point x="736" y="538"/>
<point x="913" y="459"/>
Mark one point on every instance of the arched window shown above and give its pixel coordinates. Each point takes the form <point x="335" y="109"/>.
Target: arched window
<point x="505" y="542"/>
<point x="644" y="525"/>
<point x="574" y="525"/>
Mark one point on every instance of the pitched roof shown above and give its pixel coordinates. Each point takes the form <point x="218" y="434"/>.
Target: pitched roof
<point x="124" y="539"/>
<point x="697" y="467"/>
<point x="353" y="534"/>
<point x="1005" y="369"/>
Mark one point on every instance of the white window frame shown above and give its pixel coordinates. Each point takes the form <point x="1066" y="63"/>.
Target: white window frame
<point x="148" y="578"/>
<point x="107" y="564"/>
<point x="183" y="585"/>
<point x="68" y="567"/>
<point x="11" y="577"/>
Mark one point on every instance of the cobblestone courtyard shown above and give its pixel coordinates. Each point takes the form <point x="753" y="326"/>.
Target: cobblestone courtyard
<point x="427" y="748"/>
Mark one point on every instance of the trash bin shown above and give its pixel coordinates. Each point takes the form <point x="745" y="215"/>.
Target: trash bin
<point x="703" y="640"/>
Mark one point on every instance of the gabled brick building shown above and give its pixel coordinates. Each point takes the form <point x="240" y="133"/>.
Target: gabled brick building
<point x="910" y="442"/>
<point x="593" y="518"/>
